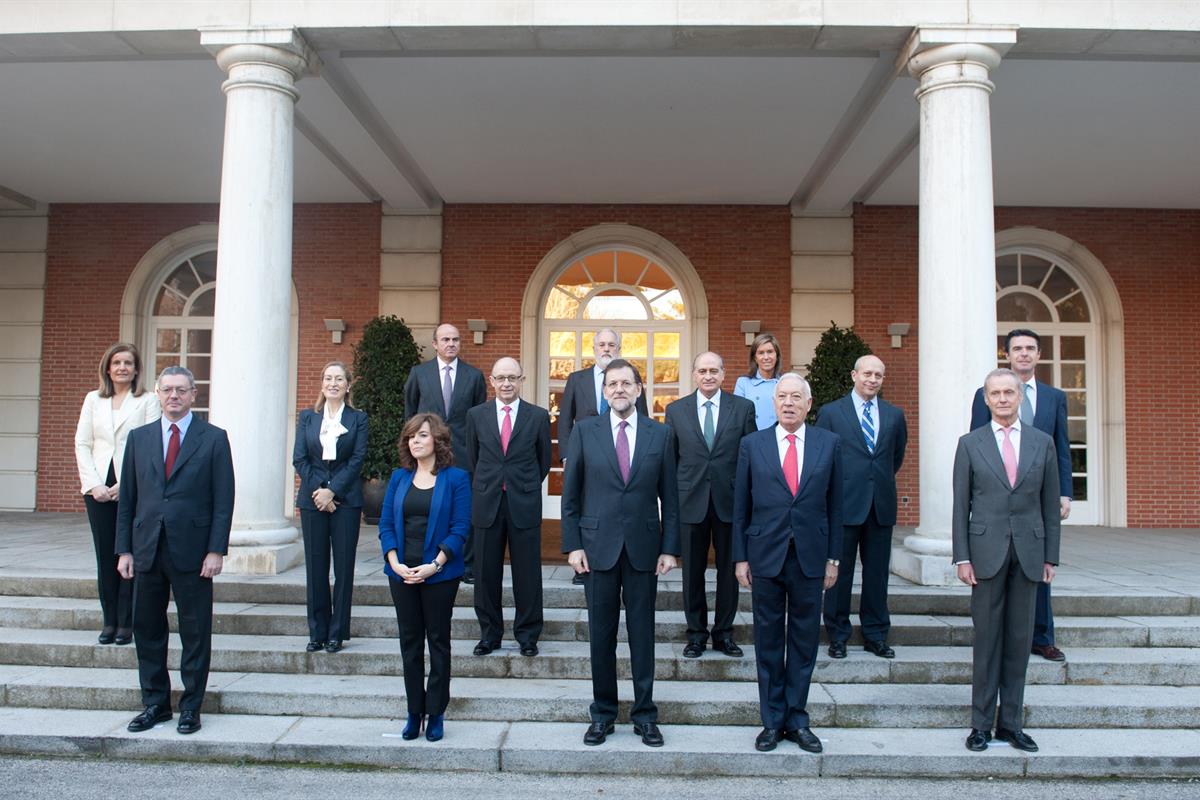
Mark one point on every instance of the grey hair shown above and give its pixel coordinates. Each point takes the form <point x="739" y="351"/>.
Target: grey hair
<point x="799" y="377"/>
<point x="613" y="332"/>
<point x="696" y="360"/>
<point x="175" y="369"/>
<point x="1004" y="372"/>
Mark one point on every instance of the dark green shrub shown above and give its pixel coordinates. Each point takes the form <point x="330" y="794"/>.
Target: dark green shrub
<point x="382" y="361"/>
<point x="829" y="371"/>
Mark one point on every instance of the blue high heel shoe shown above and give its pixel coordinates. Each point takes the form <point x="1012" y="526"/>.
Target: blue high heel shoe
<point x="434" y="730"/>
<point x="413" y="728"/>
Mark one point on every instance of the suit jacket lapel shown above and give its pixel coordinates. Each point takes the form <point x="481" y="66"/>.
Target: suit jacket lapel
<point x="191" y="443"/>
<point x="991" y="453"/>
<point x="157" y="454"/>
<point x="693" y="420"/>
<point x="770" y="451"/>
<point x="810" y="454"/>
<point x="436" y="506"/>
<point x="724" y="418"/>
<point x="1024" y="458"/>
<point x="640" y="447"/>
<point x="1043" y="416"/>
<point x="519" y="424"/>
<point x="460" y="385"/>
<point x="858" y="441"/>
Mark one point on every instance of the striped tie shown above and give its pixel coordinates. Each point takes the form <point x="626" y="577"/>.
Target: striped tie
<point x="868" y="426"/>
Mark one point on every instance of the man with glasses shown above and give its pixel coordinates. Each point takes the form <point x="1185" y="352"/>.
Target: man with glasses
<point x="508" y="454"/>
<point x="174" y="515"/>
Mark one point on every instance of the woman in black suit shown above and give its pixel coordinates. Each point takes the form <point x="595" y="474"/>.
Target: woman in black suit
<point x="331" y="443"/>
<point x="423" y="526"/>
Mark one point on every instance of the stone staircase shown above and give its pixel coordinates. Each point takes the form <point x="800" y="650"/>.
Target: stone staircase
<point x="1126" y="702"/>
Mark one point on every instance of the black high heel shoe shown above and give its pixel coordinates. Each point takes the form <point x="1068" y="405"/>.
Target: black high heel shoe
<point x="314" y="646"/>
<point x="413" y="729"/>
<point x="107" y="636"/>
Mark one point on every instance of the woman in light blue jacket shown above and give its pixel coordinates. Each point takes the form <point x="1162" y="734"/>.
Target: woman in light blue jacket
<point x="758" y="385"/>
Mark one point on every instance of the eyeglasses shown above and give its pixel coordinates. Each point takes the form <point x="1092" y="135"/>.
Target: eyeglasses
<point x="508" y="378"/>
<point x="176" y="390"/>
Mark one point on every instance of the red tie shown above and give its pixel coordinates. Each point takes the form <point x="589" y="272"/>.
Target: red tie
<point x="172" y="448"/>
<point x="791" y="470"/>
<point x="506" y="430"/>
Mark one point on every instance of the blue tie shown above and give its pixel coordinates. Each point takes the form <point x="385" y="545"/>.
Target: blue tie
<point x="868" y="426"/>
<point x="603" y="400"/>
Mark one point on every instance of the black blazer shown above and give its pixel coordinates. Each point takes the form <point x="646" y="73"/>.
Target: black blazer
<point x="194" y="509"/>
<point x="603" y="515"/>
<point x="579" y="402"/>
<point x="521" y="470"/>
<point x="346" y="476"/>
<point x="423" y="393"/>
<point x="704" y="474"/>
<point x="867" y="478"/>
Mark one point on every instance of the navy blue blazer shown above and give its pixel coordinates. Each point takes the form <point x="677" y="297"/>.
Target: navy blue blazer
<point x="449" y="520"/>
<point x="345" y="479"/>
<point x="766" y="516"/>
<point x="1050" y="418"/>
<point x="193" y="509"/>
<point x="868" y="478"/>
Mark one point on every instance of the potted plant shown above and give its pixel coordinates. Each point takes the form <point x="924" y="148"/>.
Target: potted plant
<point x="829" y="371"/>
<point x="382" y="360"/>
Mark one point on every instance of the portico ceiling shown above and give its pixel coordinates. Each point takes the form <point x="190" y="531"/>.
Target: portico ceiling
<point x="752" y="118"/>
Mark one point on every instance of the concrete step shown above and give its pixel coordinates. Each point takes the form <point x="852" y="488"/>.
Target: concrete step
<point x="371" y="589"/>
<point x="571" y="660"/>
<point x="564" y="700"/>
<point x="541" y="747"/>
<point x="569" y="624"/>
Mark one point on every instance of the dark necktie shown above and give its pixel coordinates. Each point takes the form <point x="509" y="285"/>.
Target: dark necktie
<point x="623" y="450"/>
<point x="172" y="448"/>
<point x="447" y="391"/>
<point x="710" y="430"/>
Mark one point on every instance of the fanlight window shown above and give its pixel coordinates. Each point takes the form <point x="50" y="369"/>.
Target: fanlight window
<point x="614" y="285"/>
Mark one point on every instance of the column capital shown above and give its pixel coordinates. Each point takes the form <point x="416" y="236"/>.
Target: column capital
<point x="932" y="46"/>
<point x="282" y="48"/>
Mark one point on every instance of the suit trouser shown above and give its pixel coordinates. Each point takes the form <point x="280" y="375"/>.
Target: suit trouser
<point x="696" y="540"/>
<point x="325" y="532"/>
<point x="1043" y="617"/>
<point x="604" y="589"/>
<point x="872" y="543"/>
<point x="194" y="610"/>
<point x="1002" y="614"/>
<point x="525" y="557"/>
<point x="787" y="632"/>
<point x="423" y="612"/>
<point x="116" y="593"/>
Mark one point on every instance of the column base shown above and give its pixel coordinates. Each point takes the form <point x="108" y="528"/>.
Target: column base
<point x="269" y="559"/>
<point x="925" y="561"/>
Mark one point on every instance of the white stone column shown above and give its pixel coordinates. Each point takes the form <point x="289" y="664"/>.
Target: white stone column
<point x="251" y="342"/>
<point x="956" y="292"/>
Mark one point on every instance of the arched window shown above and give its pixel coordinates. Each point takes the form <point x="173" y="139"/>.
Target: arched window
<point x="181" y="320"/>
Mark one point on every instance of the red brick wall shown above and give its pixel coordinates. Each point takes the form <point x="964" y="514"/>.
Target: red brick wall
<point x="93" y="248"/>
<point x="1152" y="257"/>
<point x="741" y="253"/>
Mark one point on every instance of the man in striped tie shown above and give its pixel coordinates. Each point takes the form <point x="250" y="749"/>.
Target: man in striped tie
<point x="874" y="437"/>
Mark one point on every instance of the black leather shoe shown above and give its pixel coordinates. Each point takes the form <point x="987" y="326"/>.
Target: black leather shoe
<point x="468" y="578"/>
<point x="597" y="732"/>
<point x="150" y="716"/>
<point x="837" y="649"/>
<point x="577" y="579"/>
<point x="651" y="735"/>
<point x="529" y="649"/>
<point x="189" y="722"/>
<point x="767" y="740"/>
<point x="729" y="648"/>
<point x="483" y="648"/>
<point x="314" y="646"/>
<point x="804" y="737"/>
<point x="107" y="636"/>
<point x="124" y="636"/>
<point x="977" y="740"/>
<point x="333" y="646"/>
<point x="879" y="648"/>
<point x="1017" y="739"/>
<point x="693" y="650"/>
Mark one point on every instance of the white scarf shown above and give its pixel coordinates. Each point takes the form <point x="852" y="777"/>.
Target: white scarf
<point x="331" y="429"/>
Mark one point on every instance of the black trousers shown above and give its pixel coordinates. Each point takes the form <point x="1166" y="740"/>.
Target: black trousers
<point x="194" y="606"/>
<point x="872" y="543"/>
<point x="604" y="590"/>
<point x="696" y="539"/>
<point x="525" y="557"/>
<point x="323" y="533"/>
<point x="116" y="593"/>
<point x="787" y="632"/>
<point x="423" y="614"/>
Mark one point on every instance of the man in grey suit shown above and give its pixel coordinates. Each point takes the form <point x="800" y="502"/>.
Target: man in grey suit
<point x="708" y="425"/>
<point x="449" y="387"/>
<point x="1005" y="529"/>
<point x="620" y="467"/>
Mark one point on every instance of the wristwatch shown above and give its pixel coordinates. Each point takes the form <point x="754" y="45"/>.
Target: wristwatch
<point x="436" y="566"/>
<point x="833" y="562"/>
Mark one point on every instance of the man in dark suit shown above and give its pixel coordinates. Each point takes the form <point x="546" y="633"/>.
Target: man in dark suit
<point x="620" y="467"/>
<point x="708" y="425"/>
<point x="787" y="539"/>
<point x="508" y="454"/>
<point x="1005" y="532"/>
<point x="173" y="521"/>
<point x="874" y="436"/>
<point x="449" y="387"/>
<point x="1045" y="408"/>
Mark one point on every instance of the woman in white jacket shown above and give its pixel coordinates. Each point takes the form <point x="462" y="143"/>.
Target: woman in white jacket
<point x="108" y="415"/>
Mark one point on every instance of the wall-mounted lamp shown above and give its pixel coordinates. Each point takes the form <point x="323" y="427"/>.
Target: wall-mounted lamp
<point x="751" y="327"/>
<point x="336" y="327"/>
<point x="898" y="330"/>
<point x="478" y="327"/>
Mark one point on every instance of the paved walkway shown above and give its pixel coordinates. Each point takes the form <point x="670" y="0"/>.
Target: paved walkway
<point x="1093" y="557"/>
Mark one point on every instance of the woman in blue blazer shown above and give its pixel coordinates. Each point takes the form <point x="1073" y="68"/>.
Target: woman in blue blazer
<point x="423" y="526"/>
<point x="331" y="443"/>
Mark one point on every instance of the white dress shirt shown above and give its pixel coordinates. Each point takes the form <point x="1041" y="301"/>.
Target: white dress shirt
<point x="781" y="440"/>
<point x="716" y="407"/>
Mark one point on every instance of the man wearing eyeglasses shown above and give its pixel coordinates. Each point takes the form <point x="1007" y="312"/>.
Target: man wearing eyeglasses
<point x="508" y="454"/>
